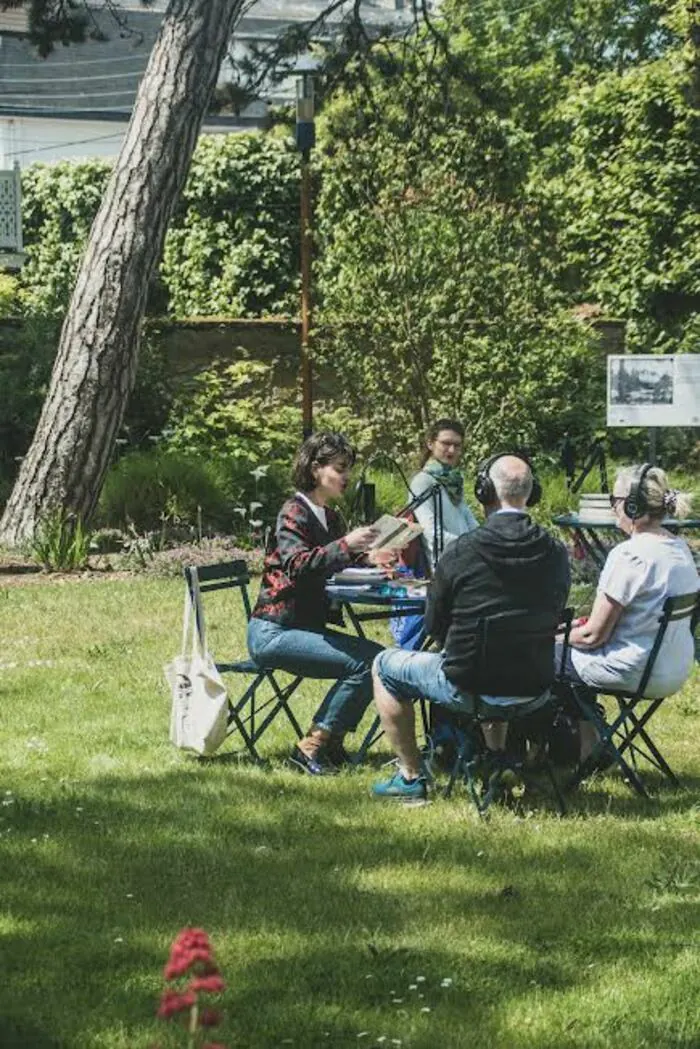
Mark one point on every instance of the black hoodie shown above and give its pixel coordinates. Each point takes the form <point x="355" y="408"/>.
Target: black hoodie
<point x="509" y="564"/>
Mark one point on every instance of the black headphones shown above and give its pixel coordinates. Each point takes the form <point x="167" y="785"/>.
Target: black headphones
<point x="485" y="490"/>
<point x="636" y="504"/>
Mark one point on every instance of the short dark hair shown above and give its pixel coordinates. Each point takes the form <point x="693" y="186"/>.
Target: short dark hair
<point x="437" y="428"/>
<point x="319" y="450"/>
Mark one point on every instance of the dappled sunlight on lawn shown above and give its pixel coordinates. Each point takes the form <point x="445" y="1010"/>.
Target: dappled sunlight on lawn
<point x="336" y="919"/>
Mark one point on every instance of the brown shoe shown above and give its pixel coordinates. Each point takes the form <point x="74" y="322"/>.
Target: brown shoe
<point x="335" y="752"/>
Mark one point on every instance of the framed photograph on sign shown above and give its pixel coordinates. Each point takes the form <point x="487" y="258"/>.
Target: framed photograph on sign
<point x="641" y="380"/>
<point x="654" y="390"/>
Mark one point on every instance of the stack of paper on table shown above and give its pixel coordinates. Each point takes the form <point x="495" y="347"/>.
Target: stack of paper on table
<point x="595" y="507"/>
<point x="360" y="577"/>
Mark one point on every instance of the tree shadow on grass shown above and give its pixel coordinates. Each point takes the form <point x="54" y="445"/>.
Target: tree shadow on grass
<point x="307" y="888"/>
<point x="602" y="793"/>
<point x="23" y="1034"/>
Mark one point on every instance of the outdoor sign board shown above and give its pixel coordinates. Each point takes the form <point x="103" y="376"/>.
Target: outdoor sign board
<point x="654" y="390"/>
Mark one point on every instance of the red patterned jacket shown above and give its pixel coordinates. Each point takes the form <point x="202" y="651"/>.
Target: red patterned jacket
<point x="300" y="557"/>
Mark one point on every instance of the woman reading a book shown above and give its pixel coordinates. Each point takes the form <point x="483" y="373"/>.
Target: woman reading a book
<point x="444" y="444"/>
<point x="288" y="630"/>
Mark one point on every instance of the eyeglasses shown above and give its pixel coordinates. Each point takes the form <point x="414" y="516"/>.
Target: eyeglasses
<point x="615" y="499"/>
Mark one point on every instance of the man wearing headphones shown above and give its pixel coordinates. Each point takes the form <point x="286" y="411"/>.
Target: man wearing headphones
<point x="508" y="564"/>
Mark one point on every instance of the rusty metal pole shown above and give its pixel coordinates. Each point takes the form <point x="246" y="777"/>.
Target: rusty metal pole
<point x="304" y="70"/>
<point x="306" y="245"/>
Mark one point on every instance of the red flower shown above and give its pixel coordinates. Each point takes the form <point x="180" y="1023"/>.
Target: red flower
<point x="184" y="959"/>
<point x="213" y="984"/>
<point x="190" y="948"/>
<point x="172" y="1002"/>
<point x="210" y="1017"/>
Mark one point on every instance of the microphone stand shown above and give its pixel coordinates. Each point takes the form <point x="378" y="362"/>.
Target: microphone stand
<point x="596" y="457"/>
<point x="434" y="493"/>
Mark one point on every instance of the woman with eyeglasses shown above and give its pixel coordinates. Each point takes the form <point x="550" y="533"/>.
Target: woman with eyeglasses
<point x="288" y="627"/>
<point x="444" y="445"/>
<point x="611" y="648"/>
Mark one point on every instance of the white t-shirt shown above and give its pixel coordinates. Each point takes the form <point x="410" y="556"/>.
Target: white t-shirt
<point x="640" y="574"/>
<point x="320" y="511"/>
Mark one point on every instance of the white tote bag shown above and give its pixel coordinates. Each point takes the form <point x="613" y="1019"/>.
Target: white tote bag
<point x="199" y="713"/>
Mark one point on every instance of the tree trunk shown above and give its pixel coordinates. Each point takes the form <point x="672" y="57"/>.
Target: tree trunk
<point x="97" y="355"/>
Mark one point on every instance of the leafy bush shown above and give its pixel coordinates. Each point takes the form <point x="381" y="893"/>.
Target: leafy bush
<point x="235" y="410"/>
<point x="26" y="356"/>
<point x="233" y="246"/>
<point x="59" y="203"/>
<point x="434" y="304"/>
<point x="155" y="488"/>
<point x="9" y="296"/>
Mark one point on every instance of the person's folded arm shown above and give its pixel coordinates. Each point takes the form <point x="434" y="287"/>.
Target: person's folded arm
<point x="623" y="576"/>
<point x="600" y="625"/>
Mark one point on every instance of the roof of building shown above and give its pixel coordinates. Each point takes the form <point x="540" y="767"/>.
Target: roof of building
<point x="99" y="78"/>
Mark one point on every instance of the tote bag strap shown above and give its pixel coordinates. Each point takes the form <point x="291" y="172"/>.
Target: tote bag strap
<point x="193" y="602"/>
<point x="186" y="617"/>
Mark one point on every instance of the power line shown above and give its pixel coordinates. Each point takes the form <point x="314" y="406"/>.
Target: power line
<point x="69" y="79"/>
<point x="63" y="145"/>
<point x="78" y="62"/>
<point x="16" y="110"/>
<point x="75" y="94"/>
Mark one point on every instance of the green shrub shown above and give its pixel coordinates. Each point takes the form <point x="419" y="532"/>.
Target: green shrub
<point x="233" y="245"/>
<point x="26" y="356"/>
<point x="59" y="203"/>
<point x="153" y="490"/>
<point x="9" y="296"/>
<point x="235" y="411"/>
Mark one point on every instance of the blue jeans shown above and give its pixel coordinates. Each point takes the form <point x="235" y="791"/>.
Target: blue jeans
<point x="320" y="654"/>
<point x="420" y="675"/>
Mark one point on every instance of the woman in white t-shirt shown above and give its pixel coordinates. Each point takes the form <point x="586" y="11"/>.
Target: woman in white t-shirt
<point x="611" y="648"/>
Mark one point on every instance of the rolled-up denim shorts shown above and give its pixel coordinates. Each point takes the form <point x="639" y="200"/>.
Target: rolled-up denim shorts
<point x="420" y="675"/>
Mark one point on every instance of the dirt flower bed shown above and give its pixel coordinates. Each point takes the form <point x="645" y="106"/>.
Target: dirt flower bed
<point x="17" y="569"/>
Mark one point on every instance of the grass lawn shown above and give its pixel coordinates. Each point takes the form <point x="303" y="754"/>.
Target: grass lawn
<point x="336" y="920"/>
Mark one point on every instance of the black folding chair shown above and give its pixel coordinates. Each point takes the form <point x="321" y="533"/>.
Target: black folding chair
<point x="506" y="642"/>
<point x="626" y="738"/>
<point x="249" y="715"/>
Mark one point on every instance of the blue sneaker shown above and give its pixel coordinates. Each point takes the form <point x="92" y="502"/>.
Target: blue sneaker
<point x="398" y="787"/>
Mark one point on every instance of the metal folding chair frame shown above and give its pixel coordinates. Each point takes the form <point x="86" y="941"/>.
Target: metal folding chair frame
<point x="474" y="760"/>
<point x="246" y="715"/>
<point x="627" y="735"/>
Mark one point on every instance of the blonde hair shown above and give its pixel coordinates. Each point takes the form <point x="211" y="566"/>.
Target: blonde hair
<point x="661" y="500"/>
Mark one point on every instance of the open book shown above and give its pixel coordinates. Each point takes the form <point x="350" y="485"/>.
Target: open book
<point x="394" y="533"/>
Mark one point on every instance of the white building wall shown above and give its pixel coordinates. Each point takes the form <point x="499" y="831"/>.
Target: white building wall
<point x="29" y="139"/>
<point x="26" y="140"/>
